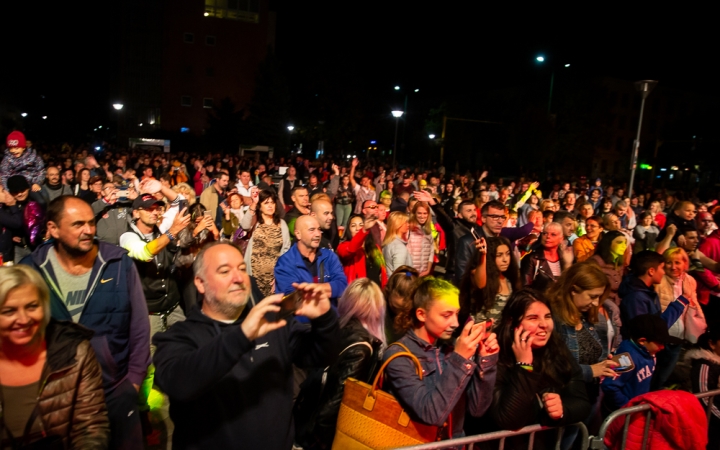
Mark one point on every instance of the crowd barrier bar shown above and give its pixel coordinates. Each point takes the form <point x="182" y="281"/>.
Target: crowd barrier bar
<point x="597" y="442"/>
<point x="469" y="441"/>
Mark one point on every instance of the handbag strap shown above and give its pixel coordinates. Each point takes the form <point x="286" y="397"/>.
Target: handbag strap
<point x="405" y="354"/>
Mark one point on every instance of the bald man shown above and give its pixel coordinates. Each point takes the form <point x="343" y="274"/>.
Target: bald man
<point x="308" y="262"/>
<point x="322" y="210"/>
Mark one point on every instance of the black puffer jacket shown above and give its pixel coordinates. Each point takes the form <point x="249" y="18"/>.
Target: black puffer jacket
<point x="358" y="359"/>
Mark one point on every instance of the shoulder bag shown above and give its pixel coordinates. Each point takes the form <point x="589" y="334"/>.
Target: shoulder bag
<point x="370" y="418"/>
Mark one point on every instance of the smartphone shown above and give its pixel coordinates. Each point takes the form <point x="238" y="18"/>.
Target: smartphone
<point x="122" y="194"/>
<point x="625" y="362"/>
<point x="474" y="234"/>
<point x="182" y="204"/>
<point x="289" y="304"/>
<point x="207" y="213"/>
<point x="488" y="325"/>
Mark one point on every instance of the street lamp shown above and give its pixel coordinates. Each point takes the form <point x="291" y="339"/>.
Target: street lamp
<point x="118" y="106"/>
<point x="541" y="59"/>
<point x="431" y="136"/>
<point x="23" y="114"/>
<point x="290" y="127"/>
<point x="645" y="87"/>
<point x="397" y="114"/>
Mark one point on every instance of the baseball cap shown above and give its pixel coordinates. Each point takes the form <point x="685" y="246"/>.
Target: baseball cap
<point x="146" y="201"/>
<point x="653" y="328"/>
<point x="16" y="140"/>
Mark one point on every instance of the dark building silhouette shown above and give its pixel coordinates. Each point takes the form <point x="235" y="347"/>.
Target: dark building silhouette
<point x="181" y="57"/>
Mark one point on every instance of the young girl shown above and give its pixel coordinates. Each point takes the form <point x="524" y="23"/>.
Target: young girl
<point x="456" y="379"/>
<point x="488" y="284"/>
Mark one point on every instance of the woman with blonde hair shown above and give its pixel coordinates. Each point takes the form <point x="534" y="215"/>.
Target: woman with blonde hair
<point x="395" y="249"/>
<point x="420" y="239"/>
<point x="675" y="283"/>
<point x="186" y="191"/>
<point x="51" y="392"/>
<point x="547" y="205"/>
<point x="362" y="339"/>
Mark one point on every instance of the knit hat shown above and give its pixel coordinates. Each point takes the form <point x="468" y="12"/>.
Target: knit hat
<point x="15" y="139"/>
<point x="17" y="184"/>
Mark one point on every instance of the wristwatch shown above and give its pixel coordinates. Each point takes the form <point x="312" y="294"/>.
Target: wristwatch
<point x="170" y="236"/>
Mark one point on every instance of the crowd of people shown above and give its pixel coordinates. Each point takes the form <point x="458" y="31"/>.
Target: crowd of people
<point x="248" y="291"/>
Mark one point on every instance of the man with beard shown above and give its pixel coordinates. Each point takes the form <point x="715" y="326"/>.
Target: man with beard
<point x="96" y="285"/>
<point x="153" y="253"/>
<point x="52" y="187"/>
<point x="228" y="369"/>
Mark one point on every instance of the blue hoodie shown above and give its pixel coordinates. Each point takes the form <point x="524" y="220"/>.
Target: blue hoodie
<point x="638" y="298"/>
<point x="620" y="390"/>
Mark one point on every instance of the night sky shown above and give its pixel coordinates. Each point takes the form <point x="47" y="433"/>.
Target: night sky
<point x="65" y="50"/>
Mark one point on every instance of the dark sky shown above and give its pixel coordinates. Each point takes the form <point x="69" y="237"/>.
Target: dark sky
<point x="65" y="50"/>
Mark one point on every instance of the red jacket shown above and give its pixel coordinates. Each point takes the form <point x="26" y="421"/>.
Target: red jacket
<point x="352" y="257"/>
<point x="679" y="423"/>
<point x="708" y="281"/>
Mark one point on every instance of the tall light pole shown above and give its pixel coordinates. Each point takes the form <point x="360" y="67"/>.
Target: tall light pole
<point x="541" y="59"/>
<point x="645" y="87"/>
<point x="397" y="115"/>
<point x="117" y="106"/>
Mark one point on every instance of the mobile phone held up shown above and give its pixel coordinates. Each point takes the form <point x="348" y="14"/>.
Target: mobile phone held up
<point x="625" y="363"/>
<point x="289" y="304"/>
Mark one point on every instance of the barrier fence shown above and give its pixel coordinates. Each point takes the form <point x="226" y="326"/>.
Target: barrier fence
<point x="588" y="442"/>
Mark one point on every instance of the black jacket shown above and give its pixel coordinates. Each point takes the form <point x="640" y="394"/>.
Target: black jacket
<point x="681" y="224"/>
<point x="535" y="271"/>
<point x="359" y="354"/>
<point x="228" y="392"/>
<point x="454" y="230"/>
<point x="515" y="403"/>
<point x="11" y="222"/>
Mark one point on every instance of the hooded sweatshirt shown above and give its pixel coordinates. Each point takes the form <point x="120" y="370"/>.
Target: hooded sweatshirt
<point x="638" y="298"/>
<point x="620" y="390"/>
<point x="229" y="392"/>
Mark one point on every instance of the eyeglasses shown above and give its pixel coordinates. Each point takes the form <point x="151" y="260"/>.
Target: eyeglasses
<point x="372" y="207"/>
<point x="495" y="217"/>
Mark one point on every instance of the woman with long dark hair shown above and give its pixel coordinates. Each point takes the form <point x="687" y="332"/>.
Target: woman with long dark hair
<point x="488" y="283"/>
<point x="398" y="295"/>
<point x="610" y="255"/>
<point x="360" y="256"/>
<point x="538" y="380"/>
<point x="270" y="238"/>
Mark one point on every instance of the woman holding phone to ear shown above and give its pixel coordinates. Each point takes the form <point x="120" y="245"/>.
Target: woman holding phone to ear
<point x="538" y="379"/>
<point x="456" y="379"/>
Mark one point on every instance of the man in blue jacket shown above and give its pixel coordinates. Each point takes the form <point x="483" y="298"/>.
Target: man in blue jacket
<point x="228" y="369"/>
<point x="95" y="284"/>
<point x="306" y="262"/>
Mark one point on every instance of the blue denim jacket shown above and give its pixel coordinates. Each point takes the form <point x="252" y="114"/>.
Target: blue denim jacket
<point x="569" y="335"/>
<point x="450" y="384"/>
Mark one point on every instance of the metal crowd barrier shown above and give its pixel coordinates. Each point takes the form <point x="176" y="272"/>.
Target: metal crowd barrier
<point x="470" y="441"/>
<point x="597" y="442"/>
<point x="589" y="442"/>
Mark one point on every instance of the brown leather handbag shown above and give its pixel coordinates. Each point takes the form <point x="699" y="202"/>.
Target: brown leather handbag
<point x="371" y="419"/>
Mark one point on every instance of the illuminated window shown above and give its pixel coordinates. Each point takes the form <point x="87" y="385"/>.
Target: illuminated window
<point x="188" y="38"/>
<point x="207" y="102"/>
<point x="243" y="10"/>
<point x="185" y="100"/>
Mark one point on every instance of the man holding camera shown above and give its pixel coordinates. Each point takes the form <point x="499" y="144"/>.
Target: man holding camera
<point x="113" y="212"/>
<point x="228" y="368"/>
